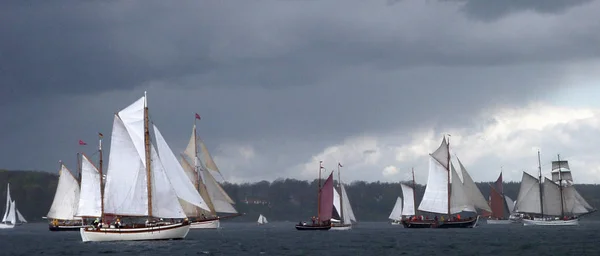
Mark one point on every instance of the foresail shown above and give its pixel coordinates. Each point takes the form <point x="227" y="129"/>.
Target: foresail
<point x="574" y="203"/>
<point x="435" y="198"/>
<point x="165" y="203"/>
<point x="90" y="199"/>
<point x="8" y="200"/>
<point x="208" y="160"/>
<point x="66" y="197"/>
<point x="177" y="176"/>
<point x="348" y="213"/>
<point x="20" y="216"/>
<point x="472" y="191"/>
<point x="528" y="200"/>
<point x="552" y="200"/>
<point x="408" y="206"/>
<point x="12" y="214"/>
<point x="511" y="204"/>
<point x="219" y="198"/>
<point x="459" y="199"/>
<point x="125" y="191"/>
<point x="336" y="202"/>
<point x="397" y="212"/>
<point x="190" y="150"/>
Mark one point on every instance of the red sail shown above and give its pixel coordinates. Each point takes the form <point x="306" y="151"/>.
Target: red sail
<point x="326" y="207"/>
<point x="498" y="185"/>
<point x="497" y="204"/>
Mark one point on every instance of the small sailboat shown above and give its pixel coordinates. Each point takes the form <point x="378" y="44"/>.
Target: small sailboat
<point x="262" y="220"/>
<point x="448" y="196"/>
<point x="144" y="181"/>
<point x="324" y="205"/>
<point x="553" y="202"/>
<point x="342" y="206"/>
<point x="12" y="216"/>
<point x="61" y="216"/>
<point x="406" y="206"/>
<point x="502" y="206"/>
<point x="200" y="173"/>
<point x="396" y="214"/>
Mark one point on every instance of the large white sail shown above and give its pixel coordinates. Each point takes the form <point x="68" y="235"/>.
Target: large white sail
<point x="12" y="213"/>
<point x="165" y="203"/>
<point x="66" y="197"/>
<point x="528" y="199"/>
<point x="20" y="217"/>
<point x="208" y="160"/>
<point x="90" y="204"/>
<point x="348" y="213"/>
<point x="125" y="192"/>
<point x="397" y="211"/>
<point x="435" y="198"/>
<point x="8" y="200"/>
<point x="574" y="202"/>
<point x="551" y="197"/>
<point x="459" y="200"/>
<point x="472" y="191"/>
<point x="408" y="206"/>
<point x="510" y="203"/>
<point x="178" y="177"/>
<point x="220" y="200"/>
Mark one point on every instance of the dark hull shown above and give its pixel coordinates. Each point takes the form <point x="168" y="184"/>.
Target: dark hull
<point x="64" y="228"/>
<point x="445" y="224"/>
<point x="308" y="227"/>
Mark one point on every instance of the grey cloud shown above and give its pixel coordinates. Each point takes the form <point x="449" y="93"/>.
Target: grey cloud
<point x="490" y="10"/>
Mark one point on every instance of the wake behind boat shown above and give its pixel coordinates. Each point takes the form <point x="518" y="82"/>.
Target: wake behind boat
<point x="143" y="179"/>
<point x="324" y="205"/>
<point x="448" y="196"/>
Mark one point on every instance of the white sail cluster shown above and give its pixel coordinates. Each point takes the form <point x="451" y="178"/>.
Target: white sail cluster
<point x="342" y="205"/>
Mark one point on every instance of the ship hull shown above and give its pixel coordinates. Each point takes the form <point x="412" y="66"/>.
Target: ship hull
<point x="341" y="227"/>
<point x="206" y="224"/>
<point x="554" y="222"/>
<point x="65" y="228"/>
<point x="310" y="227"/>
<point x="445" y="224"/>
<point x="418" y="223"/>
<point x="6" y="226"/>
<point x="166" y="232"/>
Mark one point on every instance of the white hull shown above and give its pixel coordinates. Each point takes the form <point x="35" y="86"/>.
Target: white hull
<point x="5" y="226"/>
<point x="167" y="232"/>
<point x="211" y="224"/>
<point x="349" y="227"/>
<point x="495" y="222"/>
<point x="541" y="222"/>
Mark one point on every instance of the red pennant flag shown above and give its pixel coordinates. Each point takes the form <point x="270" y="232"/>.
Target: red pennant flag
<point x="100" y="134"/>
<point x="82" y="143"/>
<point x="197" y="116"/>
<point x="340" y="165"/>
<point x="321" y="164"/>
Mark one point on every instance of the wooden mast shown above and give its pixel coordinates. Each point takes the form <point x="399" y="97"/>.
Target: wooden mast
<point x="319" y="194"/>
<point x="341" y="199"/>
<point x="79" y="168"/>
<point x="148" y="158"/>
<point x="540" y="182"/>
<point x="101" y="176"/>
<point x="449" y="169"/>
<point x="414" y="191"/>
<point x="562" y="204"/>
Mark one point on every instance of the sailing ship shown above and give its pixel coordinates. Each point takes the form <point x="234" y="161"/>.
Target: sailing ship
<point x="262" y="220"/>
<point x="144" y="181"/>
<point x="342" y="207"/>
<point x="61" y="216"/>
<point x="200" y="174"/>
<point x="406" y="206"/>
<point x="448" y="196"/>
<point x="324" y="205"/>
<point x="12" y="216"/>
<point x="502" y="206"/>
<point x="553" y="202"/>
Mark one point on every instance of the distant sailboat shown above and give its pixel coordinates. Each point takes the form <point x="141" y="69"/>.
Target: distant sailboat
<point x="406" y="206"/>
<point x="324" y="205"/>
<point x="553" y="202"/>
<point x="501" y="205"/>
<point x="448" y="196"/>
<point x="143" y="181"/>
<point x="12" y="216"/>
<point x="396" y="214"/>
<point x="262" y="220"/>
<point x="200" y="174"/>
<point x="342" y="206"/>
<point x="61" y="216"/>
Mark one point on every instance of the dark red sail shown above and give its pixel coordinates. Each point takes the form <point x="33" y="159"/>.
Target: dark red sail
<point x="326" y="207"/>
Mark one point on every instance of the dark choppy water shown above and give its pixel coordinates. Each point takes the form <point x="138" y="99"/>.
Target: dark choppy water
<point x="280" y="238"/>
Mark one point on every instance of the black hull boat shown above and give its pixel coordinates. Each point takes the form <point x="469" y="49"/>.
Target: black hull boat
<point x="468" y="223"/>
<point x="64" y="228"/>
<point x="313" y="227"/>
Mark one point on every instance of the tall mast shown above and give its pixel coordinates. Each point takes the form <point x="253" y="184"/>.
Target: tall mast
<point x="414" y="191"/>
<point x="448" y="147"/>
<point x="79" y="168"/>
<point x="540" y="182"/>
<point x="148" y="157"/>
<point x="319" y="193"/>
<point x="101" y="176"/>
<point x="196" y="157"/>
<point x="341" y="199"/>
<point x="562" y="207"/>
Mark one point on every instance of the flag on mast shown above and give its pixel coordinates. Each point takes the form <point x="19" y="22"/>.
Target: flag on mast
<point x="82" y="143"/>
<point x="197" y="116"/>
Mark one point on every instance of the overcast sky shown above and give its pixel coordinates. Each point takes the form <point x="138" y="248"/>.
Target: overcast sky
<point x="281" y="84"/>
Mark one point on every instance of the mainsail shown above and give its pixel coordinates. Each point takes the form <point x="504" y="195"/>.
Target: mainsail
<point x="445" y="195"/>
<point x="408" y="206"/>
<point x="326" y="199"/>
<point x="8" y="200"/>
<point x="500" y="204"/>
<point x="341" y="202"/>
<point x="66" y="198"/>
<point x="90" y="200"/>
